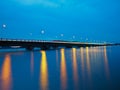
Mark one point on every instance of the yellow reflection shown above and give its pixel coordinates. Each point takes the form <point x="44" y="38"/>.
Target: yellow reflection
<point x="6" y="73"/>
<point x="43" y="72"/>
<point x="63" y="70"/>
<point x="32" y="62"/>
<point x="106" y="62"/>
<point x="88" y="60"/>
<point x="75" y="72"/>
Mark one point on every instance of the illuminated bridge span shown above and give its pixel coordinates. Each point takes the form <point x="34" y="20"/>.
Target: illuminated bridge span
<point x="31" y="44"/>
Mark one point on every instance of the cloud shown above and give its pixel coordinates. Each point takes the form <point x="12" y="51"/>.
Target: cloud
<point x="44" y="3"/>
<point x="67" y="8"/>
<point x="48" y="3"/>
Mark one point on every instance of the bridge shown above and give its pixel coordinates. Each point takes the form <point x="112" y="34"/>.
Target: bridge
<point x="31" y="44"/>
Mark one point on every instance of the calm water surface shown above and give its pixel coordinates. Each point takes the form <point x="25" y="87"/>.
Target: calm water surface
<point x="95" y="68"/>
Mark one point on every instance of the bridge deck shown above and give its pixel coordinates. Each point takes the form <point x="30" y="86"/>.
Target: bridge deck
<point x="30" y="44"/>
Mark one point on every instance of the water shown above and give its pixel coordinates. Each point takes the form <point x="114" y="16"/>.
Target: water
<point x="95" y="68"/>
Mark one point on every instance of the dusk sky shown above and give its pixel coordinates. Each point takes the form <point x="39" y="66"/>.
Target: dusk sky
<point x="79" y="20"/>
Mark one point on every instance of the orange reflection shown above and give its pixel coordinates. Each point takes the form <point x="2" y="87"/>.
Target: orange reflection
<point x="63" y="70"/>
<point x="43" y="72"/>
<point x="32" y="62"/>
<point x="75" y="72"/>
<point x="106" y="62"/>
<point x="6" y="73"/>
<point x="88" y="60"/>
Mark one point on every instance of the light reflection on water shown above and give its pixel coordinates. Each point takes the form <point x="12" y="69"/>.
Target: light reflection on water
<point x="82" y="61"/>
<point x="75" y="68"/>
<point x="106" y="63"/>
<point x="63" y="70"/>
<point x="6" y="73"/>
<point x="88" y="61"/>
<point x="32" y="63"/>
<point x="43" y="72"/>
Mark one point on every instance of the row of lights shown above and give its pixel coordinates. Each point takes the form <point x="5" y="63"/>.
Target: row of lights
<point x="62" y="35"/>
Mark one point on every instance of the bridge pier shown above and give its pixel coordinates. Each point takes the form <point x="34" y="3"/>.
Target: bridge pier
<point x="44" y="47"/>
<point x="53" y="47"/>
<point x="29" y="48"/>
<point x="68" y="46"/>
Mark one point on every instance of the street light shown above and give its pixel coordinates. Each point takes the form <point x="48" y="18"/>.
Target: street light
<point x="30" y="34"/>
<point x="42" y="32"/>
<point x="3" y="27"/>
<point x="61" y="35"/>
<point x="73" y="37"/>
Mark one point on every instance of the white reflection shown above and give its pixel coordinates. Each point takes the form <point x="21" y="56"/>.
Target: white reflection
<point x="106" y="63"/>
<point x="57" y="57"/>
<point x="82" y="59"/>
<point x="32" y="63"/>
<point x="88" y="61"/>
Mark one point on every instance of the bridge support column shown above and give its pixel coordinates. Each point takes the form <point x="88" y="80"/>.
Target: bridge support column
<point x="68" y="46"/>
<point x="45" y="47"/>
<point x="54" y="47"/>
<point x="29" y="48"/>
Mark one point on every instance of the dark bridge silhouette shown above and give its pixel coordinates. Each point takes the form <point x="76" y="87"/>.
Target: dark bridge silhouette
<point x="31" y="44"/>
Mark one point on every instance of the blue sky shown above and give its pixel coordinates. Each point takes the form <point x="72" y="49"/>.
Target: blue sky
<point x="91" y="20"/>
